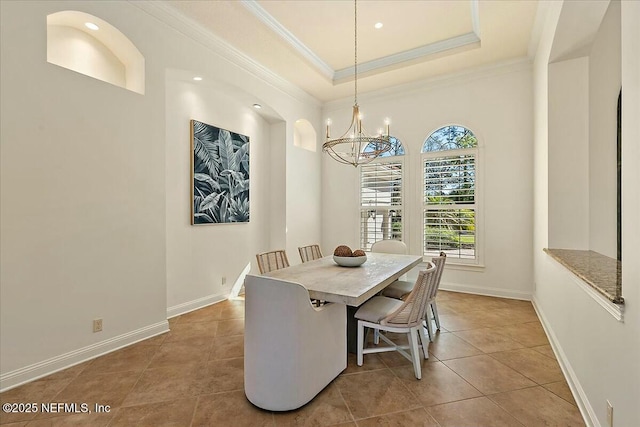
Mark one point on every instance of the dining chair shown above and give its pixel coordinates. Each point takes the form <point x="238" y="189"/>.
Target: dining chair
<point x="392" y="246"/>
<point x="275" y="260"/>
<point x="393" y="315"/>
<point x="271" y="261"/>
<point x="310" y="252"/>
<point x="401" y="288"/>
<point x="292" y="350"/>
<point x="389" y="247"/>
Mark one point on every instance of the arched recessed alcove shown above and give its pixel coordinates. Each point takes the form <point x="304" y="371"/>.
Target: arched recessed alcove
<point x="91" y="46"/>
<point x="304" y="135"/>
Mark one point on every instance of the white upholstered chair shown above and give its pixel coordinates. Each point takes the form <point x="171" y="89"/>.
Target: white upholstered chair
<point x="292" y="350"/>
<point x="273" y="260"/>
<point x="392" y="315"/>
<point x="392" y="246"/>
<point x="389" y="247"/>
<point x="400" y="289"/>
<point x="310" y="253"/>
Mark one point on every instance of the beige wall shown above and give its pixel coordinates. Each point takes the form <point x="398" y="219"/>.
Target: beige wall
<point x="598" y="353"/>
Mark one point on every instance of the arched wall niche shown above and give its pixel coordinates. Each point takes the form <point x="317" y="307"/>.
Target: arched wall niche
<point x="304" y="135"/>
<point x="104" y="54"/>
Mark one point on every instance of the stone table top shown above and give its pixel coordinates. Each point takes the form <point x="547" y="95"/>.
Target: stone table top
<point x="352" y="286"/>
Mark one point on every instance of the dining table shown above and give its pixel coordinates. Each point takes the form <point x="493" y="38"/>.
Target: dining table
<point x="352" y="286"/>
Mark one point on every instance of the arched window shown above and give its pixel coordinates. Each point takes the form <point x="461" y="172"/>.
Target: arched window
<point x="396" y="148"/>
<point x="381" y="196"/>
<point x="449" y="160"/>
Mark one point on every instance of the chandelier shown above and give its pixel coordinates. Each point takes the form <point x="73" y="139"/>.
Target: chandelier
<point x="355" y="147"/>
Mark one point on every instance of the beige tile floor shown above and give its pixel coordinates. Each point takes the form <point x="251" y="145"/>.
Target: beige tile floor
<point x="491" y="365"/>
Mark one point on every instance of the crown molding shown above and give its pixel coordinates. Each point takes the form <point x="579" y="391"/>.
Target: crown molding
<point x="475" y="18"/>
<point x="191" y="29"/>
<point x="287" y="36"/>
<point x="420" y="53"/>
<point x="428" y="84"/>
<point x="375" y="66"/>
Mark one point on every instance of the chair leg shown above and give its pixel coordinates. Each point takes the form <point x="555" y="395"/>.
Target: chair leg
<point x="427" y="321"/>
<point x="434" y="308"/>
<point x="376" y="336"/>
<point x="413" y="345"/>
<point x="425" y="343"/>
<point x="360" y="342"/>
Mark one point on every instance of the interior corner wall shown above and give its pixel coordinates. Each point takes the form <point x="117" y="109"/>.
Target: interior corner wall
<point x="303" y="207"/>
<point x="496" y="105"/>
<point x="277" y="190"/>
<point x="200" y="256"/>
<point x="604" y="88"/>
<point x="598" y="354"/>
<point x="569" y="154"/>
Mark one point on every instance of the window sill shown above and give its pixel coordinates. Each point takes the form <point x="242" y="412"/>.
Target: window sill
<point x="598" y="275"/>
<point x="452" y="265"/>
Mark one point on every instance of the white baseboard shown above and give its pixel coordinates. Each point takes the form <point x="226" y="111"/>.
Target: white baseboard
<point x="46" y="367"/>
<point x="492" y="292"/>
<point x="196" y="304"/>
<point x="588" y="414"/>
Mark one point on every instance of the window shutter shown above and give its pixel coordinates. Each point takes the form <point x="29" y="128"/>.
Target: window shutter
<point x="380" y="202"/>
<point x="450" y="205"/>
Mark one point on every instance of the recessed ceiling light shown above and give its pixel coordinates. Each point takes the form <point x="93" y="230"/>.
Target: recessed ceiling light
<point x="257" y="106"/>
<point x="378" y="25"/>
<point x="197" y="79"/>
<point x="91" y="26"/>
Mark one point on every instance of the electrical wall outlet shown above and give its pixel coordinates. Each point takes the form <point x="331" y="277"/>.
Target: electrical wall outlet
<point x="224" y="281"/>
<point x="609" y="414"/>
<point x="97" y="325"/>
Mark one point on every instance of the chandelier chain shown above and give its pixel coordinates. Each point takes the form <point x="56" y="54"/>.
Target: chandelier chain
<point x="355" y="66"/>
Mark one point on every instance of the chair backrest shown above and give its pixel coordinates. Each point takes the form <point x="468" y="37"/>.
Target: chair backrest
<point x="271" y="261"/>
<point x="292" y="350"/>
<point x="389" y="247"/>
<point x="411" y="312"/>
<point x="309" y="253"/>
<point x="439" y="262"/>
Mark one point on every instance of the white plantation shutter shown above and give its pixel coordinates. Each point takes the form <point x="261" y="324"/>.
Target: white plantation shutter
<point x="442" y="227"/>
<point x="451" y="179"/>
<point x="381" y="201"/>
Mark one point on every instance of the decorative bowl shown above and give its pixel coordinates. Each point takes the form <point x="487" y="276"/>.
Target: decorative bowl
<point x="349" y="261"/>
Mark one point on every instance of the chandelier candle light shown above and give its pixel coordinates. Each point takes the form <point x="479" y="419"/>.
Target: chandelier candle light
<point x="355" y="147"/>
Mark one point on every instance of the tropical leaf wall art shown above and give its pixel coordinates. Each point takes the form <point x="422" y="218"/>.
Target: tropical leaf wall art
<point x="220" y="175"/>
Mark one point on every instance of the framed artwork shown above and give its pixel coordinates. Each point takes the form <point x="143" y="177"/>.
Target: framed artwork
<point x="220" y="175"/>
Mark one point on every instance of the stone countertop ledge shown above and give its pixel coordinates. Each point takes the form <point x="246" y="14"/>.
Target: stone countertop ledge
<point x="602" y="273"/>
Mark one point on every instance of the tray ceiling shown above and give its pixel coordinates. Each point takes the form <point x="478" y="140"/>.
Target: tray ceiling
<point x="311" y="43"/>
